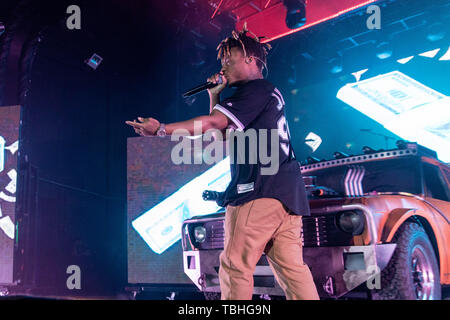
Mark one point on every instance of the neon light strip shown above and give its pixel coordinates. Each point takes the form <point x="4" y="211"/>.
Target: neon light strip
<point x="217" y="9"/>
<point x="319" y="21"/>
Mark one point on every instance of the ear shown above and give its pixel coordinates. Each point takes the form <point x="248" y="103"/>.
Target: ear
<point x="248" y="60"/>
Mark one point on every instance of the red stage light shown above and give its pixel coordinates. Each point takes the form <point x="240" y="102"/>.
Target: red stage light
<point x="270" y="20"/>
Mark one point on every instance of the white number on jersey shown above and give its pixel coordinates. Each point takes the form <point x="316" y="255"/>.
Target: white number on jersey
<point x="283" y="129"/>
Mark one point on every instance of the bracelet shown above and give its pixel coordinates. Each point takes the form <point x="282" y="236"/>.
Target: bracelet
<point x="161" y="132"/>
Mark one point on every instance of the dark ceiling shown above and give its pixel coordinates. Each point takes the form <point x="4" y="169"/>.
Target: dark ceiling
<point x="344" y="40"/>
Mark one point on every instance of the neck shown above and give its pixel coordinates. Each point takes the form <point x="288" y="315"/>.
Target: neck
<point x="254" y="76"/>
<point x="250" y="77"/>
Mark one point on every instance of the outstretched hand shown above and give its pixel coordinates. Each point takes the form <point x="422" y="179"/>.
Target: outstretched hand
<point x="145" y="127"/>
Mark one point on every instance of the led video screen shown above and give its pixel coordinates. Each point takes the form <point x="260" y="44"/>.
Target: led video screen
<point x="9" y="145"/>
<point x="162" y="193"/>
<point x="404" y="99"/>
<point x="404" y="106"/>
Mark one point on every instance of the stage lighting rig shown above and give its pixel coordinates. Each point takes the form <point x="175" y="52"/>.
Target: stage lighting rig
<point x="368" y="150"/>
<point x="401" y="144"/>
<point x="2" y="28"/>
<point x="340" y="155"/>
<point x="312" y="160"/>
<point x="296" y="13"/>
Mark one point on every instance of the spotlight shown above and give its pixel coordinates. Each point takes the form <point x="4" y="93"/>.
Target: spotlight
<point x="336" y="65"/>
<point x="436" y="32"/>
<point x="401" y="144"/>
<point x="340" y="155"/>
<point x="94" y="61"/>
<point x="312" y="160"/>
<point x="384" y="51"/>
<point x="2" y="28"/>
<point x="296" y="13"/>
<point x="368" y="150"/>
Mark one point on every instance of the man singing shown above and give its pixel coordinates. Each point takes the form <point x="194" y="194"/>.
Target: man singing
<point x="263" y="211"/>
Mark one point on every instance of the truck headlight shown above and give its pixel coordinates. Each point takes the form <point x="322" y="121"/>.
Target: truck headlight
<point x="351" y="222"/>
<point x="200" y="234"/>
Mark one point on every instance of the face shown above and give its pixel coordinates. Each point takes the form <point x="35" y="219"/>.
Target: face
<point x="234" y="67"/>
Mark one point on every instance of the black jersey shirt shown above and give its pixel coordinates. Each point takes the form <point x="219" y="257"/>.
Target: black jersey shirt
<point x="257" y="105"/>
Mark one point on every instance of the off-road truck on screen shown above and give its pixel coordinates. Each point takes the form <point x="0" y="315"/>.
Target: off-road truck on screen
<point x="379" y="226"/>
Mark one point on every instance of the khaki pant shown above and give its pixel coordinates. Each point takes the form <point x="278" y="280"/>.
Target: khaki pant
<point x="263" y="225"/>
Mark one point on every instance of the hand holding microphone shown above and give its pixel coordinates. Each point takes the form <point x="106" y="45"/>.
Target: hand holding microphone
<point x="220" y="83"/>
<point x="214" y="85"/>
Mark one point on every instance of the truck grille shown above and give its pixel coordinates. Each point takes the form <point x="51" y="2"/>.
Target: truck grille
<point x="215" y="235"/>
<point x="320" y="231"/>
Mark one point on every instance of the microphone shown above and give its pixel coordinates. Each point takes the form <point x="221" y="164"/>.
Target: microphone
<point x="216" y="196"/>
<point x="209" y="195"/>
<point x="202" y="87"/>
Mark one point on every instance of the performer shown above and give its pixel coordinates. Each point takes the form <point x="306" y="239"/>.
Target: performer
<point x="263" y="212"/>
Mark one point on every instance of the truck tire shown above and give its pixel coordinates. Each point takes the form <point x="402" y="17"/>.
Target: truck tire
<point x="413" y="271"/>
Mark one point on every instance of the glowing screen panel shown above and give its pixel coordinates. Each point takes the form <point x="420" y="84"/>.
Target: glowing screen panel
<point x="161" y="195"/>
<point x="405" y="107"/>
<point x="9" y="145"/>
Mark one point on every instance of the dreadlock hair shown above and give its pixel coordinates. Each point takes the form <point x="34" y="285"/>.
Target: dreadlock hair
<point x="249" y="44"/>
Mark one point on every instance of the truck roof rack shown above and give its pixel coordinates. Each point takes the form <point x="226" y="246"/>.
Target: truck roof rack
<point x="405" y="149"/>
